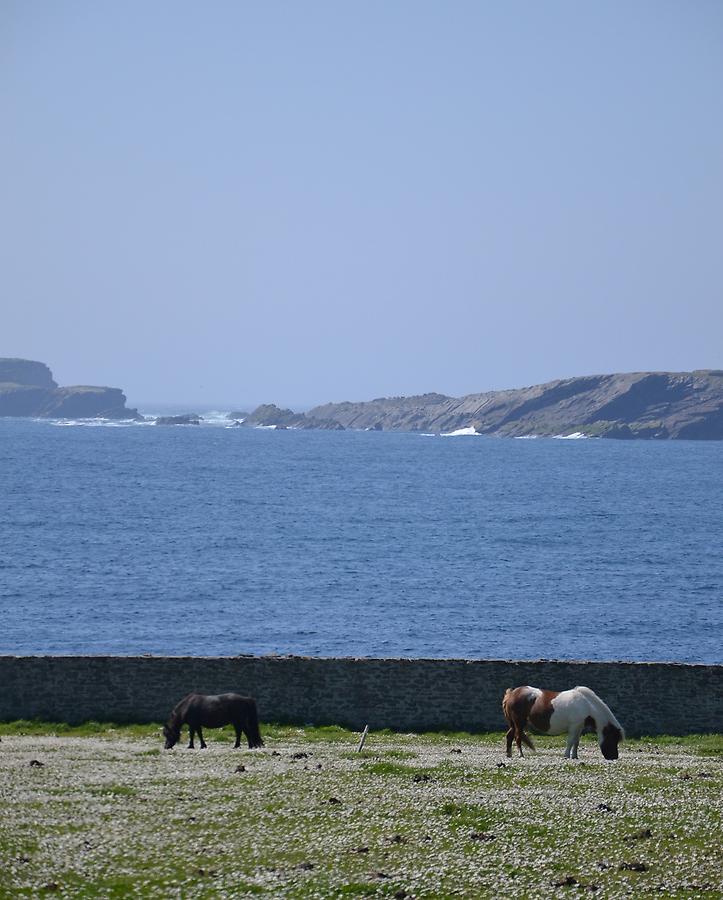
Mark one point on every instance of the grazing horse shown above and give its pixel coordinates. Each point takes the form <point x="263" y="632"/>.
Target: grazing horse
<point x="213" y="711"/>
<point x="556" y="712"/>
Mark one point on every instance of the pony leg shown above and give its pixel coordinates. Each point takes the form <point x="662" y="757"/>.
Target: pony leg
<point x="518" y="740"/>
<point x="573" y="740"/>
<point x="510" y="736"/>
<point x="568" y="746"/>
<point x="200" y="735"/>
<point x="190" y="736"/>
<point x="576" y="742"/>
<point x="237" y="729"/>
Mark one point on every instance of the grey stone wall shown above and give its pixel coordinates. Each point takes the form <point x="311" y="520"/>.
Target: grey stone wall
<point x="401" y="694"/>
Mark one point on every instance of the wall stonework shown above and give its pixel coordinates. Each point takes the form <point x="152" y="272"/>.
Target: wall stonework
<point x="402" y="694"/>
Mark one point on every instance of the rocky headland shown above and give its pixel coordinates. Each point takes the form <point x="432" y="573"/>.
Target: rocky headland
<point x="650" y="405"/>
<point x="27" y="388"/>
<point x="268" y="414"/>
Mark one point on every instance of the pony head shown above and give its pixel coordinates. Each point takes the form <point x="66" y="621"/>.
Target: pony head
<point x="610" y="737"/>
<point x="172" y="734"/>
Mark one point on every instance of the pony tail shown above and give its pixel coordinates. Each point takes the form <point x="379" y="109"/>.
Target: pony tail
<point x="252" y="726"/>
<point x="505" y="702"/>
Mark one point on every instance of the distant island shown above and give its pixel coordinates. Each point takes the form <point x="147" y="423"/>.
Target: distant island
<point x="657" y="405"/>
<point x="27" y="388"/>
<point x="650" y="405"/>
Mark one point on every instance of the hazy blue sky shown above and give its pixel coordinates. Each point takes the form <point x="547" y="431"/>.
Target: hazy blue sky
<point x="303" y="201"/>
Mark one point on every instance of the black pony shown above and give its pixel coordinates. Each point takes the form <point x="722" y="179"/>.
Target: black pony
<point x="214" y="711"/>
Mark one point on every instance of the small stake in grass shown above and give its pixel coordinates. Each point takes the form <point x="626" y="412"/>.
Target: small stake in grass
<point x="363" y="738"/>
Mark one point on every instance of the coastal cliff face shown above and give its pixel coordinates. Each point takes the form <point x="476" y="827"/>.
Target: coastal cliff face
<point x="658" y="405"/>
<point x="26" y="372"/>
<point x="27" y="388"/>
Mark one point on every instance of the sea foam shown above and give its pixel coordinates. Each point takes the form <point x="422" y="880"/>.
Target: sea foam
<point x="460" y="432"/>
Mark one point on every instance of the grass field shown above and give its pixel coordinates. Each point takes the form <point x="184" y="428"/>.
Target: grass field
<point x="102" y="811"/>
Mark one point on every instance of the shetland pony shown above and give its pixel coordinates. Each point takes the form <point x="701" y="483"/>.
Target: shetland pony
<point x="214" y="711"/>
<point x="556" y="712"/>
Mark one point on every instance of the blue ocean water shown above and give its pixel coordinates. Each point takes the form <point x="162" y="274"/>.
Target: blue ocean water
<point x="214" y="540"/>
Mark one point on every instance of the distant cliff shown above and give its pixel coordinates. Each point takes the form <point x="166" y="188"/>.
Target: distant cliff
<point x="658" y="405"/>
<point x="27" y="388"/>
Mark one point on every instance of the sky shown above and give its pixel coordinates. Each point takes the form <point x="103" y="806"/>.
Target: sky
<point x="244" y="202"/>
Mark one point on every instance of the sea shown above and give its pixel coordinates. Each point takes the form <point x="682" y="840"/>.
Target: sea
<point x="222" y="540"/>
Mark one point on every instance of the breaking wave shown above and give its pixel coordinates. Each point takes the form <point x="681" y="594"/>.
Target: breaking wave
<point x="95" y="423"/>
<point x="460" y="432"/>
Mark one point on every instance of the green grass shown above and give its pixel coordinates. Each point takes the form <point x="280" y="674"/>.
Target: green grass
<point x="25" y="727"/>
<point x="392" y="768"/>
<point x="699" y="744"/>
<point x="469" y="816"/>
<point x="113" y="790"/>
<point x="111" y="814"/>
<point x="378" y="754"/>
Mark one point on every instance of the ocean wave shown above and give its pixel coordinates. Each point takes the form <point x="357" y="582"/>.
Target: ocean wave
<point x="213" y="417"/>
<point x="575" y="436"/>
<point x="216" y="417"/>
<point x="460" y="432"/>
<point x="96" y="423"/>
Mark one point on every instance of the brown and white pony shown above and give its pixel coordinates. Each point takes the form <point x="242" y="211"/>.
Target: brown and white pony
<point x="557" y="712"/>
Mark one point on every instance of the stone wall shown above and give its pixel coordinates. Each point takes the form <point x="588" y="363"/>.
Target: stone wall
<point x="401" y="694"/>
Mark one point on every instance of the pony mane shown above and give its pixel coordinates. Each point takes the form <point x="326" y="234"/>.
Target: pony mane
<point x="600" y="706"/>
<point x="177" y="711"/>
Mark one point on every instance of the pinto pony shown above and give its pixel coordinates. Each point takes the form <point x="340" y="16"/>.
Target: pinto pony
<point x="556" y="712"/>
<point x="213" y="711"/>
